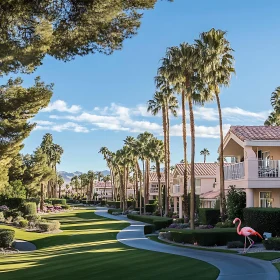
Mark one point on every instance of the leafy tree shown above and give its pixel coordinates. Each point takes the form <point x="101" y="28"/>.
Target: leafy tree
<point x="236" y="202"/>
<point x="17" y="168"/>
<point x="15" y="189"/>
<point x="18" y="105"/>
<point x="29" y="30"/>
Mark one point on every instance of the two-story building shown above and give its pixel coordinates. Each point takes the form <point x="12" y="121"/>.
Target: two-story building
<point x="257" y="153"/>
<point x="153" y="183"/>
<point x="205" y="178"/>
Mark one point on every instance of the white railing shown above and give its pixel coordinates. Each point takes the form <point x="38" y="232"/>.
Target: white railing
<point x="234" y="171"/>
<point x="176" y="188"/>
<point x="268" y="168"/>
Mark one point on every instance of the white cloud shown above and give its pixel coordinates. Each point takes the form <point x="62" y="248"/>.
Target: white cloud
<point x="43" y="122"/>
<point x="61" y="106"/>
<point x="70" y="126"/>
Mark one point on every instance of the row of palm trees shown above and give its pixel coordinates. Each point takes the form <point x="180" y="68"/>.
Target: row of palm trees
<point x="124" y="168"/>
<point x="196" y="72"/>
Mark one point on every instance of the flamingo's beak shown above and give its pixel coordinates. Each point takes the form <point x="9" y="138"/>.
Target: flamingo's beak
<point x="234" y="221"/>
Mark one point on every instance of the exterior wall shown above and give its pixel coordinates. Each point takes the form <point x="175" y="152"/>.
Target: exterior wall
<point x="206" y="185"/>
<point x="275" y="194"/>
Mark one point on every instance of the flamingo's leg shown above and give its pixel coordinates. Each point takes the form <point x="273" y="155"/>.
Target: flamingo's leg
<point x="251" y="243"/>
<point x="244" y="250"/>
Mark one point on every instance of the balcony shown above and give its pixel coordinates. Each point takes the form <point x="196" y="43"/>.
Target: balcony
<point x="234" y="171"/>
<point x="268" y="168"/>
<point x="154" y="190"/>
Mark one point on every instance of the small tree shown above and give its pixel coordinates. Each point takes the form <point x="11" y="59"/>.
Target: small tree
<point x="236" y="202"/>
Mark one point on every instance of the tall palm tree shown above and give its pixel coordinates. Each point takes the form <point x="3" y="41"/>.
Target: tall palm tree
<point x="274" y="117"/>
<point x="60" y="182"/>
<point x="75" y="183"/>
<point x="217" y="67"/>
<point x="91" y="177"/>
<point x="67" y="189"/>
<point x="204" y="153"/>
<point x="57" y="153"/>
<point x="106" y="179"/>
<point x="157" y="148"/>
<point x="99" y="175"/>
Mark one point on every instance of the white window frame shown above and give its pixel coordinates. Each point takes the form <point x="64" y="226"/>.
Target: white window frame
<point x="270" y="198"/>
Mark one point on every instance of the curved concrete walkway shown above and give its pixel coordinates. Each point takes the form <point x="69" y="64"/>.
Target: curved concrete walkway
<point x="232" y="267"/>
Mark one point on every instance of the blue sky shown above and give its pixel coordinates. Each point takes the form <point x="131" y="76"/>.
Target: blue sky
<point x="98" y="100"/>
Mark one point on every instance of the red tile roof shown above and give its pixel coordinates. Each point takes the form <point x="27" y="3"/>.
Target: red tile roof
<point x="256" y="132"/>
<point x="210" y="195"/>
<point x="154" y="178"/>
<point x="200" y="169"/>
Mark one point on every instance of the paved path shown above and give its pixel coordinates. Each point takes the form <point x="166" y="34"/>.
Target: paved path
<point x="24" y="246"/>
<point x="232" y="267"/>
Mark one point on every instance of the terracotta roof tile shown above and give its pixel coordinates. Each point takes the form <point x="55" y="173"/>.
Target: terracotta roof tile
<point x="154" y="178"/>
<point x="200" y="169"/>
<point x="210" y="195"/>
<point x="256" y="132"/>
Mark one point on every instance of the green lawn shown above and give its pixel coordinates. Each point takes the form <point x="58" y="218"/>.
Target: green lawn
<point x="87" y="249"/>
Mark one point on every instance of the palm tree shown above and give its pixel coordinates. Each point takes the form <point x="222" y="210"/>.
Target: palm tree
<point x="99" y="175"/>
<point x="216" y="54"/>
<point x="67" y="189"/>
<point x="204" y="153"/>
<point x="75" y="183"/>
<point x="106" y="179"/>
<point x="91" y="177"/>
<point x="157" y="148"/>
<point x="274" y="117"/>
<point x="57" y="152"/>
<point x="60" y="182"/>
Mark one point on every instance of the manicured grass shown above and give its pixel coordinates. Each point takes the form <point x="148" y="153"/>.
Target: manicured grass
<point x="155" y="238"/>
<point x="87" y="249"/>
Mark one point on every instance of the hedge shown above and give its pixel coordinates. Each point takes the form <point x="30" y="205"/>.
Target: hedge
<point x="150" y="208"/>
<point x="148" y="229"/>
<point x="23" y="223"/>
<point x="61" y="201"/>
<point x="6" y="237"/>
<point x="206" y="237"/>
<point x="209" y="216"/>
<point x="29" y="208"/>
<point x="33" y="199"/>
<point x="263" y="219"/>
<point x="158" y="222"/>
<point x="14" y="202"/>
<point x="272" y="243"/>
<point x="110" y="211"/>
<point x="116" y="204"/>
<point x="32" y="218"/>
<point x="92" y="201"/>
<point x="49" y="226"/>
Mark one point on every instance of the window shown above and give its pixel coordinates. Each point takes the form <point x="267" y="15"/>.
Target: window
<point x="197" y="182"/>
<point x="265" y="199"/>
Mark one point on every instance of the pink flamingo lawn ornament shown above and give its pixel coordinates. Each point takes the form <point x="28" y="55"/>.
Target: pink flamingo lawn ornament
<point x="246" y="231"/>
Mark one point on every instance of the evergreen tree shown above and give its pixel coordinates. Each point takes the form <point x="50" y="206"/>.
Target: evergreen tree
<point x="18" y="105"/>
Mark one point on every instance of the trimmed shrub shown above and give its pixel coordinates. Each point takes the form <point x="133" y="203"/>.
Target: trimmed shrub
<point x="33" y="199"/>
<point x="23" y="223"/>
<point x="91" y="202"/>
<point x="272" y="243"/>
<point x="235" y="244"/>
<point x="150" y="208"/>
<point x="61" y="201"/>
<point x="159" y="222"/>
<point x="131" y="203"/>
<point x="152" y="201"/>
<point x="29" y="208"/>
<point x="116" y="204"/>
<point x="209" y="216"/>
<point x="6" y="237"/>
<point x="14" y="202"/>
<point x="13" y="213"/>
<point x="110" y="211"/>
<point x="263" y="219"/>
<point x="226" y="224"/>
<point x="207" y="237"/>
<point x="66" y="207"/>
<point x="2" y="218"/>
<point x="33" y="218"/>
<point x="102" y="202"/>
<point x="73" y="201"/>
<point x="49" y="226"/>
<point x="148" y="229"/>
<point x="84" y="201"/>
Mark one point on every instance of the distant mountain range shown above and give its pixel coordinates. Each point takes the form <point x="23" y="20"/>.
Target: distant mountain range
<point x="68" y="175"/>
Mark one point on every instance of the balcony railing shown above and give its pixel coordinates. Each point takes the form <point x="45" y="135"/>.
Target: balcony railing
<point x="234" y="171"/>
<point x="153" y="190"/>
<point x="268" y="168"/>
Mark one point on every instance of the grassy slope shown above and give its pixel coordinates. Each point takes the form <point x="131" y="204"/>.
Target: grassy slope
<point x="88" y="249"/>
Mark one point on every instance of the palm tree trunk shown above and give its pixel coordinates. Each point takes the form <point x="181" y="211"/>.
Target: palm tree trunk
<point x="159" y="187"/>
<point x="184" y="128"/>
<point x="143" y="162"/>
<point x="126" y="185"/>
<point x="147" y="180"/>
<point x="192" y="200"/>
<point x="204" y="158"/>
<point x="136" y="186"/>
<point x="222" y="180"/>
<point x="59" y="191"/>
<point x="55" y="187"/>
<point x="168" y="159"/>
<point x="164" y="125"/>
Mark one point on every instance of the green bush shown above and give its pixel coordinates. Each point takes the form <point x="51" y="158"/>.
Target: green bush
<point x="152" y="201"/>
<point x="66" y="207"/>
<point x="236" y="202"/>
<point x="131" y="203"/>
<point x="33" y="199"/>
<point x="72" y="201"/>
<point x="29" y="208"/>
<point x="61" y="201"/>
<point x="6" y="237"/>
<point x="148" y="229"/>
<point x="272" y="243"/>
<point x="14" y="202"/>
<point x="116" y="204"/>
<point x="13" y="213"/>
<point x="110" y="211"/>
<point x="159" y="222"/>
<point x="235" y="244"/>
<point x="33" y="218"/>
<point x="209" y="216"/>
<point x="150" y="208"/>
<point x="226" y="224"/>
<point x="49" y="226"/>
<point x="84" y="201"/>
<point x="23" y="223"/>
<point x="206" y="237"/>
<point x="91" y="202"/>
<point x="263" y="219"/>
<point x="102" y="202"/>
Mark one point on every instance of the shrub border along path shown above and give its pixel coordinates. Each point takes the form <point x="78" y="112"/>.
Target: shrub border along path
<point x="231" y="266"/>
